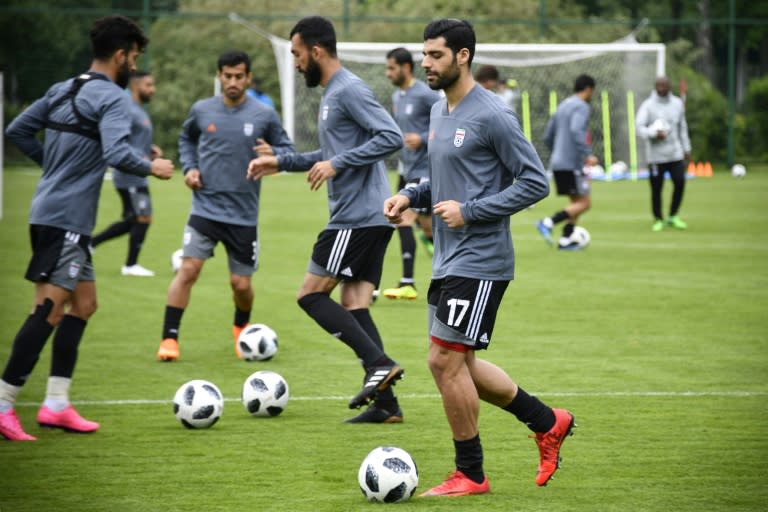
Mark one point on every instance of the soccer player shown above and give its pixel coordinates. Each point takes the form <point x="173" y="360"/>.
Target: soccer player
<point x="219" y="137"/>
<point x="567" y="137"/>
<point x="411" y="104"/>
<point x="661" y="121"/>
<point x="356" y="133"/>
<point x="134" y="190"/>
<point x="482" y="170"/>
<point x="87" y="127"/>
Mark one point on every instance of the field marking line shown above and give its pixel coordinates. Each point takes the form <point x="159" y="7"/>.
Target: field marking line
<point x="584" y="394"/>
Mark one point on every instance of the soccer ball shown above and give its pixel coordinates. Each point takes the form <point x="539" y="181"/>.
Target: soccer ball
<point x="738" y="171"/>
<point x="388" y="474"/>
<point x="265" y="393"/>
<point x="659" y="125"/>
<point x="618" y="169"/>
<point x="581" y="236"/>
<point x="176" y="259"/>
<point x="257" y="342"/>
<point x="198" y="404"/>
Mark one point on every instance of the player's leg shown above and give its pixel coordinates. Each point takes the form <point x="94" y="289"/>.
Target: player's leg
<point x="580" y="203"/>
<point x="656" y="180"/>
<point x="406" y="288"/>
<point x="57" y="410"/>
<point x="242" y="244"/>
<point x="197" y="248"/>
<point x="120" y="227"/>
<point x="141" y="205"/>
<point x="677" y="174"/>
<point x="565" y="185"/>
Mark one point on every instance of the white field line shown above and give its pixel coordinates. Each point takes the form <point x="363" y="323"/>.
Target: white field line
<point x="604" y="394"/>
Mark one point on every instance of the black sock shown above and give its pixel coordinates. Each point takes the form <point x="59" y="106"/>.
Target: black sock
<point x="531" y="411"/>
<point x="386" y="398"/>
<point x="560" y="217"/>
<point x="568" y="230"/>
<point x="136" y="240"/>
<point x="65" y="343"/>
<point x="172" y="322"/>
<point x="407" y="251"/>
<point x="119" y="228"/>
<point x="28" y="344"/>
<point x="469" y="458"/>
<point x="242" y="317"/>
<point x="340" y="323"/>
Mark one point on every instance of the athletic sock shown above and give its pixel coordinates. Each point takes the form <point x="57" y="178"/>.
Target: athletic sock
<point x="407" y="250"/>
<point x="28" y="344"/>
<point x="568" y="230"/>
<point x="65" y="343"/>
<point x="559" y="217"/>
<point x="57" y="393"/>
<point x="341" y="324"/>
<point x="386" y="398"/>
<point x="8" y="394"/>
<point x="469" y="458"/>
<point x="119" y="228"/>
<point x="533" y="412"/>
<point x="135" y="242"/>
<point x="172" y="322"/>
<point x="242" y="317"/>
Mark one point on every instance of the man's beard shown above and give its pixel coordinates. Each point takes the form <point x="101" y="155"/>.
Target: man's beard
<point x="145" y="98"/>
<point x="123" y="76"/>
<point x="312" y="74"/>
<point x="447" y="79"/>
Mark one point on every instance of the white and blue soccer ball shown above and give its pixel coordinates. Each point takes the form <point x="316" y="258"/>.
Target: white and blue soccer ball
<point x="265" y="393"/>
<point x="581" y="236"/>
<point x="388" y="475"/>
<point x="257" y="342"/>
<point x="198" y="404"/>
<point x="176" y="259"/>
<point x="738" y="171"/>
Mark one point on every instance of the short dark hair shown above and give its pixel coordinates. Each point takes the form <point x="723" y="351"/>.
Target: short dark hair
<point x="138" y="73"/>
<point x="233" y="58"/>
<point x="316" y="30"/>
<point x="486" y="73"/>
<point x="458" y="34"/>
<point x="113" y="33"/>
<point x="401" y="56"/>
<point x="583" y="82"/>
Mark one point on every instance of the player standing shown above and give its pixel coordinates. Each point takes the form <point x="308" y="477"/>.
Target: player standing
<point x="356" y="133"/>
<point x="134" y="190"/>
<point x="411" y="104"/>
<point x="218" y="139"/>
<point x="482" y="170"/>
<point x="568" y="137"/>
<point x="87" y="127"/>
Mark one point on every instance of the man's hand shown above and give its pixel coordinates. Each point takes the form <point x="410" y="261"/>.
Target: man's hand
<point x="591" y="160"/>
<point x="193" y="180"/>
<point x="450" y="212"/>
<point x="161" y="168"/>
<point x="262" y="148"/>
<point x="412" y="141"/>
<point x="394" y="207"/>
<point x="262" y="166"/>
<point x="319" y="173"/>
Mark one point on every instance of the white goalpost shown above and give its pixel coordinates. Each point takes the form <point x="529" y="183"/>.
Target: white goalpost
<point x="624" y="70"/>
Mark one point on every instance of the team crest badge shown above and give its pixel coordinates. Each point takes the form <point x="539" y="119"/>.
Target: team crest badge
<point x="248" y="129"/>
<point x="458" y="137"/>
<point x="74" y="270"/>
<point x="409" y="109"/>
<point x="324" y="115"/>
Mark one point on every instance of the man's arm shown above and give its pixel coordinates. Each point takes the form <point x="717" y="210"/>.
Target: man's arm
<point x="23" y="130"/>
<point x="115" y="132"/>
<point x="188" y="139"/>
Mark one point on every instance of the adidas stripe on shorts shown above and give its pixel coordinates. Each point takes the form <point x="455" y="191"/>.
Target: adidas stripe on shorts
<point x="351" y="254"/>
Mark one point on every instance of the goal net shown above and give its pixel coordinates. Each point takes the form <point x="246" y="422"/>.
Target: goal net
<point x="625" y="72"/>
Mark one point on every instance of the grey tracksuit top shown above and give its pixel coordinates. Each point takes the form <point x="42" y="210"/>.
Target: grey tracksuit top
<point x="411" y="108"/>
<point x="671" y="109"/>
<point x="566" y="135"/>
<point x="479" y="157"/>
<point x="141" y="139"/>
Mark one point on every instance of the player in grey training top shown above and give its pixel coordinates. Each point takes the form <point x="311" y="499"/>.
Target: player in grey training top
<point x="482" y="170"/>
<point x="567" y="135"/>
<point x="87" y="127"/>
<point x="134" y="190"/>
<point x="411" y="105"/>
<point x="218" y="139"/>
<point x="356" y="133"/>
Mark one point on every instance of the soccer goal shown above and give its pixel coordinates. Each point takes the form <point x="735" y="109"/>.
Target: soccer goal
<point x="625" y="72"/>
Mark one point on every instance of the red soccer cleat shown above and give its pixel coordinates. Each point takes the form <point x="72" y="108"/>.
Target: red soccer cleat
<point x="549" y="444"/>
<point x="458" y="484"/>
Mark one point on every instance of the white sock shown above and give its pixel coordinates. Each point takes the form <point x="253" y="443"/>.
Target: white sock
<point x="57" y="393"/>
<point x="547" y="221"/>
<point x="8" y="394"/>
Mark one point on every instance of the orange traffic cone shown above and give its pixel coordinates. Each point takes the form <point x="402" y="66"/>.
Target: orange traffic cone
<point x="699" y="169"/>
<point x="691" y="169"/>
<point x="708" y="170"/>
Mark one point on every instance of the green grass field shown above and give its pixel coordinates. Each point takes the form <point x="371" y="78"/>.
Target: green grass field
<point x="658" y="342"/>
